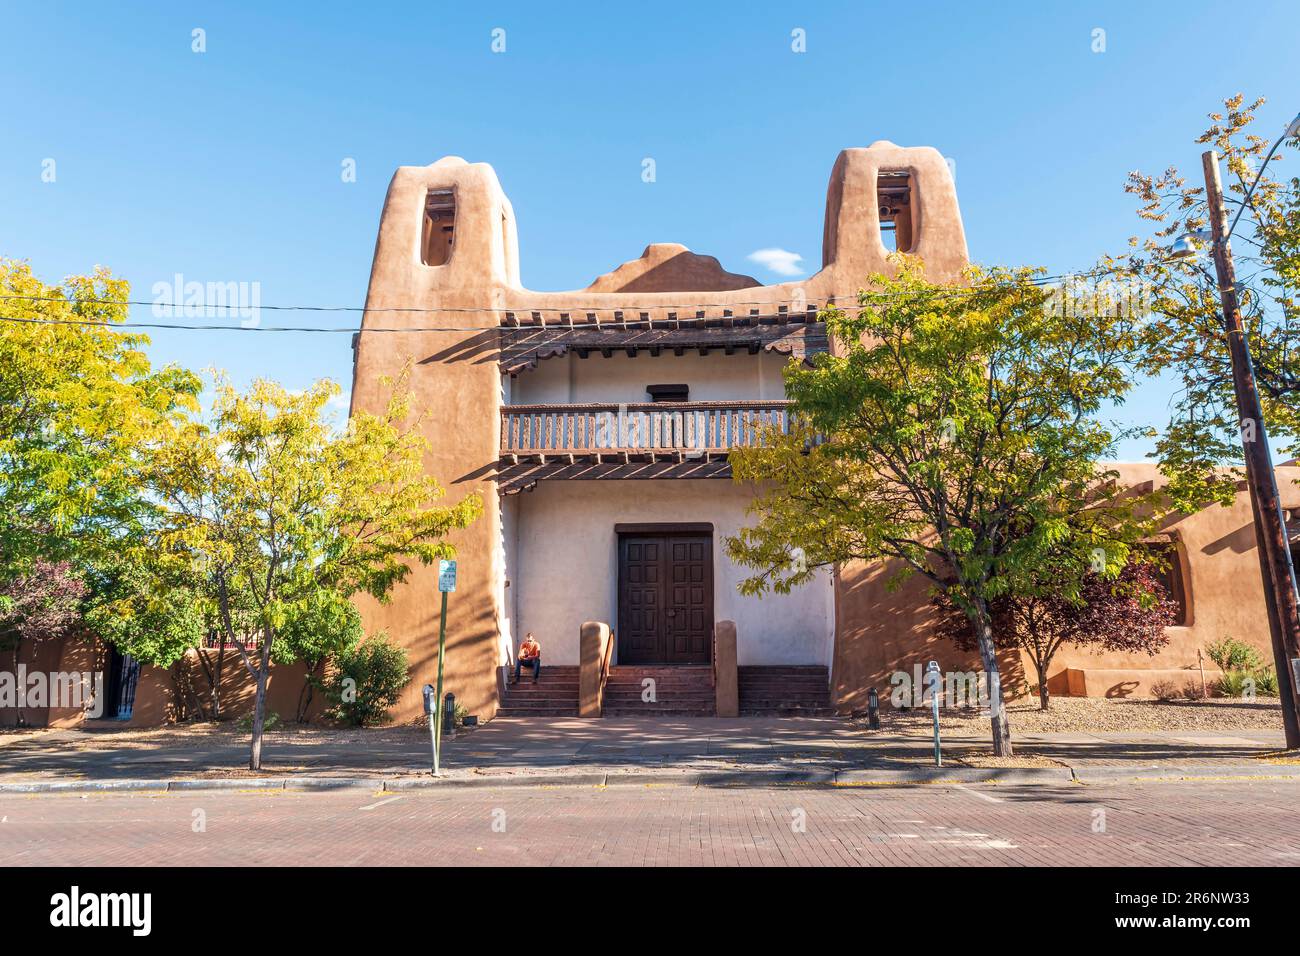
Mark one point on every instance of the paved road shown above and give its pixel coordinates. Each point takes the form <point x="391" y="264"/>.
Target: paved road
<point x="1206" y="822"/>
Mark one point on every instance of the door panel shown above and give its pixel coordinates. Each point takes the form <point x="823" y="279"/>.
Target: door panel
<point x="665" y="598"/>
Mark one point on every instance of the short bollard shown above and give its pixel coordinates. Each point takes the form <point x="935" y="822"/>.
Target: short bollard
<point x="431" y="710"/>
<point x="449" y="715"/>
<point x="873" y="709"/>
<point x="932" y="678"/>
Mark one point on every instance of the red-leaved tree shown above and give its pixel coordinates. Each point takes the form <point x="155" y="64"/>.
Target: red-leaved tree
<point x="42" y="604"/>
<point x="1126" y="613"/>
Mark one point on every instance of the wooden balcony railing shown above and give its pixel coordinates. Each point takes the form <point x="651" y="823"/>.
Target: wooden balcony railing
<point x="686" y="429"/>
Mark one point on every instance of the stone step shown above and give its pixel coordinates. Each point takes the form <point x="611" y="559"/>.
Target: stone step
<point x="646" y="710"/>
<point x="537" y="711"/>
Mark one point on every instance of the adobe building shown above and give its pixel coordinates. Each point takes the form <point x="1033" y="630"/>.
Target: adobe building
<point x="596" y="426"/>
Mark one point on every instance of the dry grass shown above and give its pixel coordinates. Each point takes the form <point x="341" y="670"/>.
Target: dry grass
<point x="1084" y="714"/>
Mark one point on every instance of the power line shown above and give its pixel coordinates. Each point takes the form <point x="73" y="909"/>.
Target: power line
<point x="851" y="300"/>
<point x="850" y="297"/>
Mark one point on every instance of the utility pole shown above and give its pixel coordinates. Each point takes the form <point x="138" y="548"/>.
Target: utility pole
<point x="1266" y="504"/>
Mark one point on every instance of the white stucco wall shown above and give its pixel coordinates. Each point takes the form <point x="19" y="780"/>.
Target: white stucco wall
<point x="712" y="378"/>
<point x="564" y="568"/>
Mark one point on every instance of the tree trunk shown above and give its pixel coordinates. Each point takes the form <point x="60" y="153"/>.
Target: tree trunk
<point x="308" y="690"/>
<point x="18" y="716"/>
<point x="1044" y="700"/>
<point x="259" y="708"/>
<point x="216" y="680"/>
<point x="259" y="715"/>
<point x="997" y="708"/>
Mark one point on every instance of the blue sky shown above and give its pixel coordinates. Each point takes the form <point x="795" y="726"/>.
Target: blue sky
<point x="225" y="165"/>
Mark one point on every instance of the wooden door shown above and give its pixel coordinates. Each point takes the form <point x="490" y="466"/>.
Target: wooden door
<point x="665" y="598"/>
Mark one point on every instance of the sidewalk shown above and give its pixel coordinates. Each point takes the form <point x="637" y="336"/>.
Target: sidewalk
<point x="719" y="752"/>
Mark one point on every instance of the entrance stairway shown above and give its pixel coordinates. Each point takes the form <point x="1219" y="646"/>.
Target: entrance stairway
<point x="679" y="691"/>
<point x="554" y="695"/>
<point x="788" y="691"/>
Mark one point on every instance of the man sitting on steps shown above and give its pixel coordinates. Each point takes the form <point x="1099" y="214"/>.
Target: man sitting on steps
<point x="530" y="653"/>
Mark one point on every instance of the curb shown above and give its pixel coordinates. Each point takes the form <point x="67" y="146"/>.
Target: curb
<point x="809" y="777"/>
<point x="1235" y="771"/>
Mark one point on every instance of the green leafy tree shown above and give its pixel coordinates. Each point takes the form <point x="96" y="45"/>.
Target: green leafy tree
<point x="267" y="505"/>
<point x="954" y="432"/>
<point x="322" y="627"/>
<point x="156" y="618"/>
<point x="1185" y="338"/>
<point x="80" y="407"/>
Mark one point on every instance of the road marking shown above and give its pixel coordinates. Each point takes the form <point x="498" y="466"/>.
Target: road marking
<point x="976" y="793"/>
<point x="381" y="803"/>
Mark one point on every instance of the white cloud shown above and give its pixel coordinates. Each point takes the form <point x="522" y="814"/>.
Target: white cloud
<point x="780" y="261"/>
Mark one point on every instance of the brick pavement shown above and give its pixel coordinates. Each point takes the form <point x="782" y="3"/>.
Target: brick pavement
<point x="1219" y="823"/>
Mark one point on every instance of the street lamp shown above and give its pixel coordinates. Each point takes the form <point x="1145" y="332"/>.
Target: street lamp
<point x="1266" y="503"/>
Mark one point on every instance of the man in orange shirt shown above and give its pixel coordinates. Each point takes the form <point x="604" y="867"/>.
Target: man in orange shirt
<point x="530" y="653"/>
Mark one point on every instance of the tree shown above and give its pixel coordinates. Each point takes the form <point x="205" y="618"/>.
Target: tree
<point x="955" y="432"/>
<point x="267" y="505"/>
<point x="41" y="605"/>
<point x="1185" y="337"/>
<point x="1129" y="613"/>
<point x="326" y="625"/>
<point x="80" y="406"/>
<point x="153" y="616"/>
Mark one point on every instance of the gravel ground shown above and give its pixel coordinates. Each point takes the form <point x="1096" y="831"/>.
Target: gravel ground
<point x="1084" y="714"/>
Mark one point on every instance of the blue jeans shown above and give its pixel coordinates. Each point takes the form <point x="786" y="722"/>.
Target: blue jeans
<point x="535" y="664"/>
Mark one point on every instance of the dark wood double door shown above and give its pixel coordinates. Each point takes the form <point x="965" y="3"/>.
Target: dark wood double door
<point x="665" y="594"/>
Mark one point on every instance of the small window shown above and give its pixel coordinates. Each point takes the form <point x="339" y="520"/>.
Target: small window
<point x="439" y="227"/>
<point x="894" y="197"/>
<point x="1168" y="569"/>
<point x="668" y="393"/>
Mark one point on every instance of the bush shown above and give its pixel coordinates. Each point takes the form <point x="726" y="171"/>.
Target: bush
<point x="1266" y="682"/>
<point x="1165" y="690"/>
<point x="1234" y="655"/>
<point x="268" y="722"/>
<point x="367" y="680"/>
<point x="1262" y="682"/>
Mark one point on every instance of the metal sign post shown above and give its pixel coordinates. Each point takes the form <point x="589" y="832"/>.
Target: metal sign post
<point x="932" y="675"/>
<point x="446" y="583"/>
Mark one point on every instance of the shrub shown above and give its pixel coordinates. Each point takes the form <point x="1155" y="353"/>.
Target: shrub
<point x="268" y="722"/>
<point x="367" y="680"/>
<point x="1262" y="682"/>
<point x="1266" y="682"/>
<point x="1165" y="690"/>
<point x="1234" y="655"/>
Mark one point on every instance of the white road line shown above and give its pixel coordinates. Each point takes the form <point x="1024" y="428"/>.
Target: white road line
<point x="380" y="803"/>
<point x="976" y="793"/>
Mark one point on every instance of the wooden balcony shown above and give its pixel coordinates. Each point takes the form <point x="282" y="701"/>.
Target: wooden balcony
<point x="640" y="440"/>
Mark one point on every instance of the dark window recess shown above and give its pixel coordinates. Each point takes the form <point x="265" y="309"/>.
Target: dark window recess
<point x="439" y="227"/>
<point x="668" y="393"/>
<point x="119" y="685"/>
<point x="1169" y="572"/>
<point x="894" y="195"/>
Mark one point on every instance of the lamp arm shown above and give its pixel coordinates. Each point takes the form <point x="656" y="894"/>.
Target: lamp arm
<point x="1251" y="191"/>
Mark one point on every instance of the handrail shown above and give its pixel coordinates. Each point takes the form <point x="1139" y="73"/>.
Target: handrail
<point x="644" y="406"/>
<point x="599" y="427"/>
